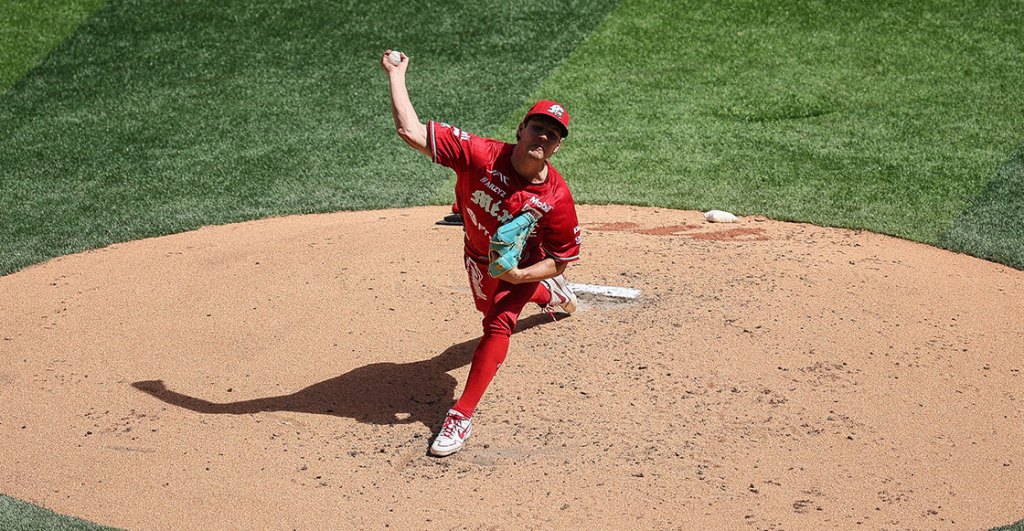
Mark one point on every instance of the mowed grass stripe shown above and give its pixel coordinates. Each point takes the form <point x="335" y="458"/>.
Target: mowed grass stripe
<point x="30" y="29"/>
<point x="159" y="117"/>
<point x="993" y="226"/>
<point x="879" y="115"/>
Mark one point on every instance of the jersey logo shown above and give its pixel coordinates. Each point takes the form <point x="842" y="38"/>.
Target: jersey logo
<point x="492" y="186"/>
<point x="540" y="204"/>
<point x="472" y="217"/>
<point x="456" y="132"/>
<point x="501" y="176"/>
<point x="490" y="206"/>
<point x="476" y="279"/>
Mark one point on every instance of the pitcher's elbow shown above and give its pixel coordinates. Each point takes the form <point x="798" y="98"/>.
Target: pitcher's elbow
<point x="413" y="137"/>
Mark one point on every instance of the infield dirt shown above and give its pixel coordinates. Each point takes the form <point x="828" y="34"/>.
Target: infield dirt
<point x="289" y="374"/>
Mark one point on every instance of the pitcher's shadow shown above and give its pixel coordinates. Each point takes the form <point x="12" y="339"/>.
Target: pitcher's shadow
<point x="379" y="393"/>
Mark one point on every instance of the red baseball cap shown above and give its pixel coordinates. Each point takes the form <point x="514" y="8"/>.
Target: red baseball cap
<point x="552" y="109"/>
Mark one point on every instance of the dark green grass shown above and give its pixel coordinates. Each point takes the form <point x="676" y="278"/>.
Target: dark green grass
<point x="30" y="29"/>
<point x="1019" y="526"/>
<point x="993" y="225"/>
<point x="158" y="117"/>
<point x="889" y="116"/>
<point x="16" y="515"/>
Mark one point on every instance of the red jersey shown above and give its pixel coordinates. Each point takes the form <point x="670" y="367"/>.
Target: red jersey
<point x="490" y="192"/>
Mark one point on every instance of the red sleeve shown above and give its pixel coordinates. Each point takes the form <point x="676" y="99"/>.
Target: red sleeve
<point x="562" y="238"/>
<point x="449" y="146"/>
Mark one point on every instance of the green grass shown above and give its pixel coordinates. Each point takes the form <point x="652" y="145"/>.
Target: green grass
<point x="1019" y="526"/>
<point x="158" y="117"/>
<point x="30" y="29"/>
<point x="992" y="227"/>
<point x="16" y="515"/>
<point x="888" y="116"/>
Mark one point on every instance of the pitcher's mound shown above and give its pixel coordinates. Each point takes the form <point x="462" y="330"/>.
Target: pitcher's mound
<point x="289" y="373"/>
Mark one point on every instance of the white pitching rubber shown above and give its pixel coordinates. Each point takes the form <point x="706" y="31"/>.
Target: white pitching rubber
<point x="608" y="291"/>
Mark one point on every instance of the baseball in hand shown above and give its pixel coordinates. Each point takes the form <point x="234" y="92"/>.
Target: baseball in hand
<point x="395" y="57"/>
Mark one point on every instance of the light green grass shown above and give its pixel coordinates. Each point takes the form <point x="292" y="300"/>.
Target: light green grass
<point x="30" y="29"/>
<point x="159" y="117"/>
<point x="887" y="116"/>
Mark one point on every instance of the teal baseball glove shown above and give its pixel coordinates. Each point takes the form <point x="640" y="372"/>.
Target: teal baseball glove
<point x="507" y="244"/>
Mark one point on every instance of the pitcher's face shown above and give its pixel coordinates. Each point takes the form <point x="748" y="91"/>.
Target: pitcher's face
<point x="540" y="137"/>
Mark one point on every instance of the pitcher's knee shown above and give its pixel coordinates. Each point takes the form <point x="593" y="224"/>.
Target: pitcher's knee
<point x="500" y="325"/>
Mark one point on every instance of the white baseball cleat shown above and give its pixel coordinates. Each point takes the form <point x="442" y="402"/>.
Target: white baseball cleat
<point x="561" y="296"/>
<point x="456" y="429"/>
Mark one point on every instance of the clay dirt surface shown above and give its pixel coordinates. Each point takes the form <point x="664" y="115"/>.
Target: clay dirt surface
<point x="289" y="374"/>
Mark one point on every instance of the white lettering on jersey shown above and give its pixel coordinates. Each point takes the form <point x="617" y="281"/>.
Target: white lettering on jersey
<point x="479" y="227"/>
<point x="490" y="206"/>
<point x="501" y="176"/>
<point x="493" y="187"/>
<point x="476" y="279"/>
<point x="540" y="204"/>
<point x="456" y="132"/>
<point x="482" y="199"/>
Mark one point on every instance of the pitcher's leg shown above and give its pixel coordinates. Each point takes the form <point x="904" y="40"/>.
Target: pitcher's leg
<point x="489" y="355"/>
<point x="507" y="303"/>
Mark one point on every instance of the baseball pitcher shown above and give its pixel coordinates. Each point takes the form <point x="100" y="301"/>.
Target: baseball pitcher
<point x="520" y="225"/>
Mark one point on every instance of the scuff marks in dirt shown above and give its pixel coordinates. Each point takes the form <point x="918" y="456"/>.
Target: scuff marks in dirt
<point x="704" y="231"/>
